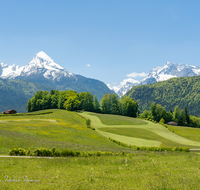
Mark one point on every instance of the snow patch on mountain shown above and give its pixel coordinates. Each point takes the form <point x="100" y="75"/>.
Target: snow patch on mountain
<point x="124" y="86"/>
<point x="9" y="71"/>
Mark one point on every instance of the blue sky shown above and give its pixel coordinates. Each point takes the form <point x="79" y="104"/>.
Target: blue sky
<point x="105" y="40"/>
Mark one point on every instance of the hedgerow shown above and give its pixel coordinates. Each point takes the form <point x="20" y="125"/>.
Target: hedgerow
<point x="58" y="153"/>
<point x="180" y="149"/>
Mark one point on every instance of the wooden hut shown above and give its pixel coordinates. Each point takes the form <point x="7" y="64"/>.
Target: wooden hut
<point x="10" y="111"/>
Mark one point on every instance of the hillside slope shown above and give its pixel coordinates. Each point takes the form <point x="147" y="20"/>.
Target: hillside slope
<point x="57" y="128"/>
<point x="14" y="94"/>
<point x="184" y="91"/>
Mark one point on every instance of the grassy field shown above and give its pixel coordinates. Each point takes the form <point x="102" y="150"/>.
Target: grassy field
<point x="143" y="133"/>
<point x="60" y="129"/>
<point x="139" y="171"/>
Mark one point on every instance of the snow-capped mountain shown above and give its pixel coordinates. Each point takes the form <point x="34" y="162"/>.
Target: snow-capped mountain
<point x="124" y="86"/>
<point x="169" y="70"/>
<point x="41" y="65"/>
<point x="43" y="70"/>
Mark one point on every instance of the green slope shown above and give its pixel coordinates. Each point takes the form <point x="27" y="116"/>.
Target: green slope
<point x="14" y="94"/>
<point x="180" y="92"/>
<point x="61" y="130"/>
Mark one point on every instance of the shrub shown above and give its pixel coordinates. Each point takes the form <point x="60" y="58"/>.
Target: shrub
<point x="43" y="152"/>
<point x="28" y="152"/>
<point x="88" y="122"/>
<point x="162" y="121"/>
<point x="17" y="152"/>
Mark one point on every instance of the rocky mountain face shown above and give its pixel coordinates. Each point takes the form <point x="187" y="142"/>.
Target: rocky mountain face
<point x="169" y="70"/>
<point x="43" y="70"/>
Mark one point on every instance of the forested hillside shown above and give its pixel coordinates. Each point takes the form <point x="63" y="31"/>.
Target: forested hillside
<point x="182" y="92"/>
<point x="14" y="94"/>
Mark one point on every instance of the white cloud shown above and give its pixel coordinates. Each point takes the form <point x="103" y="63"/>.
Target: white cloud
<point x="135" y="75"/>
<point x="88" y="65"/>
<point x="128" y="80"/>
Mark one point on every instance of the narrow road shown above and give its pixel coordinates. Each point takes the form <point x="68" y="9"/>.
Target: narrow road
<point x="7" y="156"/>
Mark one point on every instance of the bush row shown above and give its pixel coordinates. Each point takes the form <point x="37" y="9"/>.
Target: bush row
<point x="181" y="149"/>
<point x="58" y="153"/>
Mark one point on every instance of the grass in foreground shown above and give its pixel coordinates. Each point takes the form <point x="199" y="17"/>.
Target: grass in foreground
<point x="139" y="171"/>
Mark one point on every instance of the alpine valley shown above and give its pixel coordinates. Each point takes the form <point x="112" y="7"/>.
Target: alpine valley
<point x="44" y="74"/>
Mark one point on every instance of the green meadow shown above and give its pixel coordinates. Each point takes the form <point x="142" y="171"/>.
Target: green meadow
<point x="62" y="129"/>
<point x="139" y="132"/>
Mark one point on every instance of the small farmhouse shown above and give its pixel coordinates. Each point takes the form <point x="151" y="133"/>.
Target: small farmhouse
<point x="172" y="123"/>
<point x="10" y="112"/>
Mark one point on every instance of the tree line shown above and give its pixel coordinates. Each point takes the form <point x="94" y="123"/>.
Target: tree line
<point x="109" y="104"/>
<point x="72" y="100"/>
<point x="181" y="117"/>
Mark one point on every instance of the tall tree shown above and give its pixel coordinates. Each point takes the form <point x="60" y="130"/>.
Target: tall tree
<point x="153" y="110"/>
<point x="115" y="108"/>
<point x="176" y="114"/>
<point x="187" y="117"/>
<point x="104" y="104"/>
<point x="72" y="101"/>
<point x="88" y="102"/>
<point x="96" y="105"/>
<point x="129" y="107"/>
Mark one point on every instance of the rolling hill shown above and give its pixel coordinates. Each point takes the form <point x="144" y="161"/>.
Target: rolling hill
<point x="183" y="91"/>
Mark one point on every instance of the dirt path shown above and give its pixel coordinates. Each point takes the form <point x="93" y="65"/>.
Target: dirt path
<point x="7" y="156"/>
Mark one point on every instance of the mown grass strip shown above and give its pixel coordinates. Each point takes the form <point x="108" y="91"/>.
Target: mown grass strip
<point x="109" y="119"/>
<point x="156" y="128"/>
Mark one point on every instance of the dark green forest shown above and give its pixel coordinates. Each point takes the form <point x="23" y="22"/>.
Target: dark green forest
<point x="182" y="92"/>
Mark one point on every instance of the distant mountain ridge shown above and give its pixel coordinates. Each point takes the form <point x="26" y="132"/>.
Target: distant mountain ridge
<point x="43" y="70"/>
<point x="169" y="70"/>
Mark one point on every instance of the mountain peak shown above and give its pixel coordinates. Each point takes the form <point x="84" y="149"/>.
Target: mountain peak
<point x="43" y="56"/>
